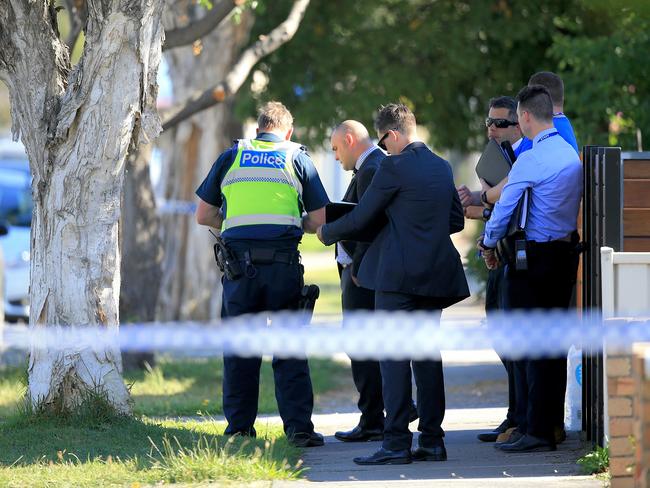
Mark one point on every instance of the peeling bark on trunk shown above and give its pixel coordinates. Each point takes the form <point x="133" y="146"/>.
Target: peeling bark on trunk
<point x="78" y="125"/>
<point x="191" y="286"/>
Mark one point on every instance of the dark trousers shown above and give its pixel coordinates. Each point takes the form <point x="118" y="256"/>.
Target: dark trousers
<point x="495" y="300"/>
<point x="396" y="377"/>
<point x="274" y="287"/>
<point x="541" y="383"/>
<point x="365" y="374"/>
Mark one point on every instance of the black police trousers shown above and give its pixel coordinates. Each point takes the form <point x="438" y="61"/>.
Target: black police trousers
<point x="541" y="383"/>
<point x="271" y="287"/>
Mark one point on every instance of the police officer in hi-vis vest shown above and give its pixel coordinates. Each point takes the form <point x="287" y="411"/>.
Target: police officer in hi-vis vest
<point x="262" y="194"/>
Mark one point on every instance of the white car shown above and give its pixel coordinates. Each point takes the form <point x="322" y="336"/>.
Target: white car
<point x="16" y="214"/>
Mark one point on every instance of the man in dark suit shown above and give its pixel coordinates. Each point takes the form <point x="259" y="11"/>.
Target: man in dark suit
<point x="412" y="265"/>
<point x="355" y="151"/>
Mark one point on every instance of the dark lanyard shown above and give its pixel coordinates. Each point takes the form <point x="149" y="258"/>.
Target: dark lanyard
<point x="547" y="136"/>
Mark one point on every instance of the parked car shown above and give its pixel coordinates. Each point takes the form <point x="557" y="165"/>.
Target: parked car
<point x="16" y="214"/>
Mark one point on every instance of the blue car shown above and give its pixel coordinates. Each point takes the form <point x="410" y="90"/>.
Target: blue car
<point x="16" y="215"/>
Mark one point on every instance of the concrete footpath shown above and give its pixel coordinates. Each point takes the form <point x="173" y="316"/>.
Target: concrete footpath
<point x="471" y="463"/>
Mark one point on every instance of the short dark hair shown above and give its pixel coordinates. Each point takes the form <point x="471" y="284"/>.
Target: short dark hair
<point x="536" y="100"/>
<point x="552" y="82"/>
<point x="394" y="116"/>
<point x="505" y="102"/>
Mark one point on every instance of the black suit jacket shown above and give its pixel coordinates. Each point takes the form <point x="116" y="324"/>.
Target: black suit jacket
<point x="358" y="186"/>
<point x="413" y="254"/>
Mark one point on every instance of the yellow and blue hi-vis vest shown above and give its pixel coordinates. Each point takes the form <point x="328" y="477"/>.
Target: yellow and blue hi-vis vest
<point x="261" y="186"/>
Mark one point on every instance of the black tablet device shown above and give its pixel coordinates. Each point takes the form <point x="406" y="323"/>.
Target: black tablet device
<point x="493" y="165"/>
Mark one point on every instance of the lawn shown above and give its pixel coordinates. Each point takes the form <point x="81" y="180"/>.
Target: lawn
<point x="99" y="450"/>
<point x="132" y="452"/>
<point x="185" y="387"/>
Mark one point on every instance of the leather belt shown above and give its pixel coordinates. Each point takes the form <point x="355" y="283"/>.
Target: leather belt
<point x="562" y="241"/>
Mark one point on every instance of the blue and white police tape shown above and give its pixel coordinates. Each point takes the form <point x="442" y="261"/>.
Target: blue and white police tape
<point x="369" y="335"/>
<point x="182" y="207"/>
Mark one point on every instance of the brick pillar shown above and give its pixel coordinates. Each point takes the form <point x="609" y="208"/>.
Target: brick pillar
<point x="621" y="410"/>
<point x="642" y="414"/>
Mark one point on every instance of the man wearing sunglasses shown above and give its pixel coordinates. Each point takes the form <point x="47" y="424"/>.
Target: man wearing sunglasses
<point x="413" y="266"/>
<point x="502" y="125"/>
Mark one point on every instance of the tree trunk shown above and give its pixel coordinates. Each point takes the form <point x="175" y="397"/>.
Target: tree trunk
<point x="78" y="126"/>
<point x="141" y="250"/>
<point x="191" y="282"/>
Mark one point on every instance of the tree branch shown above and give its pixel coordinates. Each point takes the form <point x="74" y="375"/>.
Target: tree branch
<point x="183" y="36"/>
<point x="240" y="71"/>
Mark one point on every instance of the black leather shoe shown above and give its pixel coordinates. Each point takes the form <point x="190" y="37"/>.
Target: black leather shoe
<point x="529" y="443"/>
<point x="436" y="453"/>
<point x="384" y="456"/>
<point x="492" y="436"/>
<point x="514" y="437"/>
<point x="359" y="434"/>
<point x="306" y="439"/>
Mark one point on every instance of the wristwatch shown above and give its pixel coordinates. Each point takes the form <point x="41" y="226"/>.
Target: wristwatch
<point x="487" y="213"/>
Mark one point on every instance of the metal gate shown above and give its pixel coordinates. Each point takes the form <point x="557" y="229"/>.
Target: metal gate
<point x="602" y="225"/>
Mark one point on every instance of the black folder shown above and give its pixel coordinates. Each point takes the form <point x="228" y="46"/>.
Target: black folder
<point x="493" y="165"/>
<point x="336" y="210"/>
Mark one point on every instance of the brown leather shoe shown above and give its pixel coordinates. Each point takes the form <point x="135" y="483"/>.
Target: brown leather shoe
<point x="494" y="435"/>
<point x="512" y="438"/>
<point x="505" y="436"/>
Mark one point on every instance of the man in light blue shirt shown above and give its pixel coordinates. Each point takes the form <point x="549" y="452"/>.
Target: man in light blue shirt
<point x="552" y="171"/>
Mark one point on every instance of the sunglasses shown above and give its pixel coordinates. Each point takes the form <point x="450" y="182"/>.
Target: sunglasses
<point x="499" y="123"/>
<point x="381" y="143"/>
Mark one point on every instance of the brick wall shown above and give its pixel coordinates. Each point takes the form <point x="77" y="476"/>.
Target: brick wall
<point x="642" y="415"/>
<point x="621" y="410"/>
<point x="628" y="383"/>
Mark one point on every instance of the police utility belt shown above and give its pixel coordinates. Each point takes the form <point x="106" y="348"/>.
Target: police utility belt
<point x="234" y="264"/>
<point x="230" y="261"/>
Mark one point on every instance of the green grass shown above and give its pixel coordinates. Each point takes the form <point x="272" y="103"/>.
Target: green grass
<point x="93" y="447"/>
<point x="184" y="387"/>
<point x="12" y="389"/>
<point x="126" y="451"/>
<point x="329" y="301"/>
